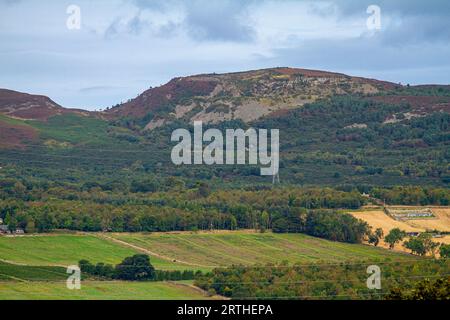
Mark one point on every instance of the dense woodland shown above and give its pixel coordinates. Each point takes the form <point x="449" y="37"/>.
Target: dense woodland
<point x="197" y="209"/>
<point x="314" y="211"/>
<point x="333" y="281"/>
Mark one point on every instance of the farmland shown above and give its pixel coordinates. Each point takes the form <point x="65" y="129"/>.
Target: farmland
<point x="213" y="249"/>
<point x="376" y="218"/>
<point x="99" y="290"/>
<point x="36" y="263"/>
<point x="184" y="250"/>
<point x="31" y="273"/>
<point x="49" y="283"/>
<point x="59" y="250"/>
<point x="66" y="249"/>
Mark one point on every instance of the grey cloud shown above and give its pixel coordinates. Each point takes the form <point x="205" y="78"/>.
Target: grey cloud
<point x="113" y="28"/>
<point x="167" y="30"/>
<point x="412" y="21"/>
<point x="403" y="7"/>
<point x="414" y="30"/>
<point x="219" y="20"/>
<point x="368" y="56"/>
<point x="10" y="2"/>
<point x="156" y="5"/>
<point x="209" y="20"/>
<point x="135" y="26"/>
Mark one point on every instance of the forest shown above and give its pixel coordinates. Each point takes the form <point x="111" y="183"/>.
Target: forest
<point x="321" y="281"/>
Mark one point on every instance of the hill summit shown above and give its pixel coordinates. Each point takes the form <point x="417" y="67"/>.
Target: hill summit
<point x="246" y="96"/>
<point x="26" y="106"/>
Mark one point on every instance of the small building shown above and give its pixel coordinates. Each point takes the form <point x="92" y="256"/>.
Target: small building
<point x="19" y="231"/>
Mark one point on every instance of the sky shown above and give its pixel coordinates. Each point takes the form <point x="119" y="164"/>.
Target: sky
<point x="93" y="54"/>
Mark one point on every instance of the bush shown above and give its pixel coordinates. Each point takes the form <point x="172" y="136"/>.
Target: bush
<point x="135" y="268"/>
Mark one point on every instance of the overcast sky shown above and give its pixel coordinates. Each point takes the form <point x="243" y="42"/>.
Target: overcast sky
<point x="124" y="47"/>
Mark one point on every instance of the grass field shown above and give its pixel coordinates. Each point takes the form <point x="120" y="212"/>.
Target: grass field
<point x="184" y="251"/>
<point x="19" y="282"/>
<point x="31" y="273"/>
<point x="60" y="250"/>
<point x="113" y="290"/>
<point x="208" y="250"/>
<point x="65" y="250"/>
<point x="41" y="275"/>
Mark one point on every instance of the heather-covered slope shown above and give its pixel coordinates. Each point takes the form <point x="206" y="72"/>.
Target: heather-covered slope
<point x="334" y="130"/>
<point x="247" y="96"/>
<point x="28" y="106"/>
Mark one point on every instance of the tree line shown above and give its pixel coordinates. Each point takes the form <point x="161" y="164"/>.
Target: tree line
<point x="306" y="282"/>
<point x="327" y="224"/>
<point x="135" y="268"/>
<point x="412" y="195"/>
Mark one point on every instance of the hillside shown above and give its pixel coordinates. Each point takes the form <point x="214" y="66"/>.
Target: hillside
<point x="334" y="130"/>
<point x="108" y="177"/>
<point x="246" y="96"/>
<point x="31" y="272"/>
<point x="187" y="250"/>
<point x="23" y="106"/>
<point x="29" y="106"/>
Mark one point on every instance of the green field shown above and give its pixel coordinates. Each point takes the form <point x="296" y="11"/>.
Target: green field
<point x="60" y="250"/>
<point x="91" y="290"/>
<point x="208" y="250"/>
<point x="186" y="251"/>
<point x="72" y="128"/>
<point x="31" y="273"/>
<point x="65" y="250"/>
<point x="19" y="282"/>
<point x="42" y="275"/>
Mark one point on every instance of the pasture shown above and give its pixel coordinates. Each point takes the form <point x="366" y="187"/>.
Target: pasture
<point x="68" y="249"/>
<point x="184" y="250"/>
<point x="37" y="263"/>
<point x="100" y="290"/>
<point x="216" y="249"/>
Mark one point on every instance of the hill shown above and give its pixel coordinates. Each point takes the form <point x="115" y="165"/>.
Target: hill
<point x="15" y="106"/>
<point x="29" y="106"/>
<point x="335" y="130"/>
<point x="246" y="96"/>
